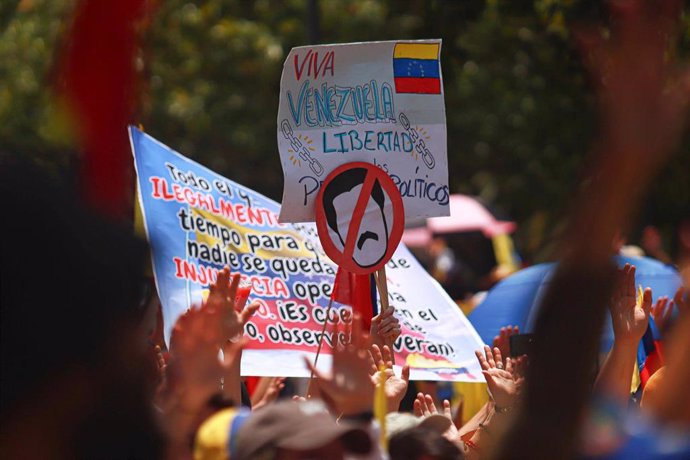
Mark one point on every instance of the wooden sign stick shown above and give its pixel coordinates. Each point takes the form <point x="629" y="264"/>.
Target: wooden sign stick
<point x="318" y="349"/>
<point x="382" y="285"/>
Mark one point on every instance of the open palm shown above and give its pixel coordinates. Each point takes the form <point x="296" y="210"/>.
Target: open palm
<point x="221" y="303"/>
<point x="381" y="371"/>
<point x="504" y="384"/>
<point x="628" y="316"/>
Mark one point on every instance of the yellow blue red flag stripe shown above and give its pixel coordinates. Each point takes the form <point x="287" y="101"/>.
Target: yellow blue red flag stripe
<point x="416" y="68"/>
<point x="416" y="50"/>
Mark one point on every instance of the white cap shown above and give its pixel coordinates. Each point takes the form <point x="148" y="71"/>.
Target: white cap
<point x="399" y="421"/>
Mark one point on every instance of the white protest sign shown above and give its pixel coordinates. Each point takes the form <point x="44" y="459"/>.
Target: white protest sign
<point x="377" y="102"/>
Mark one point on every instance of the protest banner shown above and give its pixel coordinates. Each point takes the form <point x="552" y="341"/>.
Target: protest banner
<point x="197" y="222"/>
<point x="376" y="102"/>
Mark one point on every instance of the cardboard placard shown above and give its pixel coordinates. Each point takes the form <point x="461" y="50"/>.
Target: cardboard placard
<point x="377" y="102"/>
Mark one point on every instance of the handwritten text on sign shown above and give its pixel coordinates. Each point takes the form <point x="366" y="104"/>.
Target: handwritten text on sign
<point x="378" y="102"/>
<point x="197" y="222"/>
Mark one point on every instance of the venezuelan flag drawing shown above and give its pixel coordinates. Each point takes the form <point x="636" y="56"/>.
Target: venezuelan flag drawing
<point x="416" y="68"/>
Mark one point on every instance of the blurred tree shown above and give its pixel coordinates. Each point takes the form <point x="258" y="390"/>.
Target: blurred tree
<point x="519" y="109"/>
<point x="30" y="121"/>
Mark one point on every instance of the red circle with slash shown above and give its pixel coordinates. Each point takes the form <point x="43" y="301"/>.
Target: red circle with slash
<point x="360" y="217"/>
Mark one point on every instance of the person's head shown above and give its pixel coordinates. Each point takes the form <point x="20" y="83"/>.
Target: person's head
<point x="209" y="424"/>
<point x="421" y="443"/>
<point x="438" y="246"/>
<point x="290" y="430"/>
<point x="397" y="422"/>
<point x="217" y="435"/>
<point x="70" y="314"/>
<point x="340" y="198"/>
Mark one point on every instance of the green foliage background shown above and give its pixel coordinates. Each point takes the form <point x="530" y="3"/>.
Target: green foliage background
<point x="520" y="112"/>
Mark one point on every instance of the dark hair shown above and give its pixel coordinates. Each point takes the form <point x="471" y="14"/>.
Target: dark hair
<point x="68" y="278"/>
<point x="71" y="288"/>
<point x="219" y="401"/>
<point x="417" y="442"/>
<point x="344" y="182"/>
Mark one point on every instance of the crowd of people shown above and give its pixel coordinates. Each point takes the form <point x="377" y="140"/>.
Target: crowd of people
<point x="86" y="374"/>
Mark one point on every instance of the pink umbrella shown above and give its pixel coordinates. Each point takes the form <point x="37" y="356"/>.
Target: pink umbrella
<point x="466" y="215"/>
<point x="416" y="237"/>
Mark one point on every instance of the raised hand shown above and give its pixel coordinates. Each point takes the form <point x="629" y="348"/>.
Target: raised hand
<point x="194" y="370"/>
<point x="230" y="370"/>
<point x="395" y="387"/>
<point x="643" y="91"/>
<point x="502" y="340"/>
<point x="160" y="368"/>
<point x="503" y="384"/>
<point x="221" y="302"/>
<point x="160" y="361"/>
<point x="629" y="318"/>
<point x="520" y="365"/>
<point x="349" y="388"/>
<point x="271" y="394"/>
<point x="385" y="327"/>
<point x="661" y="312"/>
<point x="194" y="375"/>
<point x="681" y="300"/>
<point x="663" y="308"/>
<point x="424" y="406"/>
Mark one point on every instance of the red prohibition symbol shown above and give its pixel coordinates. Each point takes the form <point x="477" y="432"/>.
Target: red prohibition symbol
<point x="360" y="217"/>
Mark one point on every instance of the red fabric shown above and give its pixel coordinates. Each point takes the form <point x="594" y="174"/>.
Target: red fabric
<point x="98" y="80"/>
<point x="653" y="362"/>
<point x="417" y="85"/>
<point x="356" y="291"/>
<point x="252" y="383"/>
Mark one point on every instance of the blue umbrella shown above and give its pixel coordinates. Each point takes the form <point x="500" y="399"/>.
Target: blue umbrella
<point x="514" y="300"/>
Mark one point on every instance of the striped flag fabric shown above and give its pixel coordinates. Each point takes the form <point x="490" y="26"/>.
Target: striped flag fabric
<point x="650" y="357"/>
<point x="417" y="68"/>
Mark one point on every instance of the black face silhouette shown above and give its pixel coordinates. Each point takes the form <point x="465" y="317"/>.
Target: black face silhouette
<point x="339" y="200"/>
